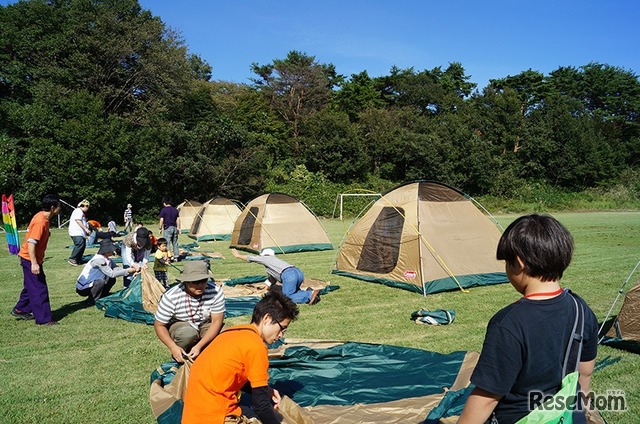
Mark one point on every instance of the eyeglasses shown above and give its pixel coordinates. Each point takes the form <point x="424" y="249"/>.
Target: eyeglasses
<point x="282" y="329"/>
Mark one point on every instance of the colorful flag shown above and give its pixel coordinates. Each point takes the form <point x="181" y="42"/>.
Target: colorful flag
<point x="10" y="226"/>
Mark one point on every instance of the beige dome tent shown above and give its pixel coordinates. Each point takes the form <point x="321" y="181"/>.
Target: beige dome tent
<point x="626" y="326"/>
<point x="280" y="222"/>
<point x="214" y="220"/>
<point x="425" y="237"/>
<point x="188" y="210"/>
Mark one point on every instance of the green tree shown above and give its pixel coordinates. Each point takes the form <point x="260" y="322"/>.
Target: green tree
<point x="296" y="86"/>
<point x="358" y="94"/>
<point x="331" y="146"/>
<point x="429" y="91"/>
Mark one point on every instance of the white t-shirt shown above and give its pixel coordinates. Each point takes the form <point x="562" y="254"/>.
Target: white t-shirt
<point x="74" y="228"/>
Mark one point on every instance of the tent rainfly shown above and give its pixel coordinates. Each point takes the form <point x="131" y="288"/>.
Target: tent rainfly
<point x="280" y="222"/>
<point x="625" y="332"/>
<point x="214" y="220"/>
<point x="424" y="237"/>
<point x="188" y="211"/>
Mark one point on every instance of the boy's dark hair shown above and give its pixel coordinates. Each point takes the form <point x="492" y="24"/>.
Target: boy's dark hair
<point x="277" y="305"/>
<point x="543" y="244"/>
<point x="161" y="240"/>
<point x="167" y="200"/>
<point x="50" y="201"/>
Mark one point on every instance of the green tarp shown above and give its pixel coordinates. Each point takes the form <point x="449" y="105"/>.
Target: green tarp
<point x="358" y="374"/>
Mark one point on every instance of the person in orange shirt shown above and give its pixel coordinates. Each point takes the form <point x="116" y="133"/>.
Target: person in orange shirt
<point x="34" y="298"/>
<point x="237" y="356"/>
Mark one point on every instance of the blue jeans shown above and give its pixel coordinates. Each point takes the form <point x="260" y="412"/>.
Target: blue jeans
<point x="96" y="236"/>
<point x="79" y="244"/>
<point x="291" y="279"/>
<point x="171" y="234"/>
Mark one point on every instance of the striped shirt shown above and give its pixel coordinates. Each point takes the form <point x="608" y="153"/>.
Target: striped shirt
<point x="176" y="305"/>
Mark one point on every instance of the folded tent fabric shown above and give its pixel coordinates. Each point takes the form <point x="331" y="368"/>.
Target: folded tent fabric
<point x="357" y="382"/>
<point x="436" y="317"/>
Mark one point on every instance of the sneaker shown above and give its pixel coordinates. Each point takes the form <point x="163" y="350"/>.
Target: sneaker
<point x="315" y="297"/>
<point x="21" y="315"/>
<point x="72" y="262"/>
<point x="49" y="323"/>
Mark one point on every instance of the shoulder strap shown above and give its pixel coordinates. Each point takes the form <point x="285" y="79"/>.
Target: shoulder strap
<point x="574" y="347"/>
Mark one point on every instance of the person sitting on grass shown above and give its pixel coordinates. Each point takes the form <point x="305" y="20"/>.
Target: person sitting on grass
<point x="99" y="274"/>
<point x="236" y="357"/>
<point x="278" y="270"/>
<point x="163" y="257"/>
<point x="525" y="344"/>
<point x="190" y="314"/>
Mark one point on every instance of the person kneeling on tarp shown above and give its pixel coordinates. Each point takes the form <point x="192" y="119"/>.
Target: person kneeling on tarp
<point x="99" y="274"/>
<point x="191" y="314"/>
<point x="236" y="357"/>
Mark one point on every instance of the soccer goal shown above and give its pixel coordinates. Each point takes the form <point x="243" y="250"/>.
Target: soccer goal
<point x="340" y="200"/>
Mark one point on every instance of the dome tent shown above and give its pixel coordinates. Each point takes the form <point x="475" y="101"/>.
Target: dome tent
<point x="188" y="210"/>
<point x="425" y="237"/>
<point x="214" y="220"/>
<point x="279" y="222"/>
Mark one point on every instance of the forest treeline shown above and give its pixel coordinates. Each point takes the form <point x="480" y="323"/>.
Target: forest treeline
<point x="99" y="99"/>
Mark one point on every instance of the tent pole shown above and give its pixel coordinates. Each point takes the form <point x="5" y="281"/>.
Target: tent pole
<point x="620" y="291"/>
<point x="424" y="287"/>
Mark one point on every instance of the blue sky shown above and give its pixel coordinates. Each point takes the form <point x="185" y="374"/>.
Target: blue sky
<point x="492" y="39"/>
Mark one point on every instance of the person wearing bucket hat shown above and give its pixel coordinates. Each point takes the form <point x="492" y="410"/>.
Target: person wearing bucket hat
<point x="79" y="231"/>
<point x="190" y="314"/>
<point x="99" y="275"/>
<point x="278" y="270"/>
<point x="136" y="248"/>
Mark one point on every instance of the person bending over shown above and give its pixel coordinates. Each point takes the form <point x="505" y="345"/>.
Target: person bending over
<point x="278" y="270"/>
<point x="236" y="357"/>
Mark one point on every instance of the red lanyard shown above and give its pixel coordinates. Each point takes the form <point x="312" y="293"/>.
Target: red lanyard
<point x="550" y="294"/>
<point x="192" y="316"/>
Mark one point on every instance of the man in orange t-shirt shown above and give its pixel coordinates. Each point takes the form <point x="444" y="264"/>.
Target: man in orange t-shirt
<point x="34" y="298"/>
<point x="237" y="356"/>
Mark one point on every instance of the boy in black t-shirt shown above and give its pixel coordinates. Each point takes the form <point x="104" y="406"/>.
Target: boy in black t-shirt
<point x="524" y="347"/>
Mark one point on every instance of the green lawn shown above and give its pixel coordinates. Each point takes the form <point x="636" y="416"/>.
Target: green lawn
<point x="95" y="369"/>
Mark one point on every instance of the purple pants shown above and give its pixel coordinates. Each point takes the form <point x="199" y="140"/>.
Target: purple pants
<point x="34" y="297"/>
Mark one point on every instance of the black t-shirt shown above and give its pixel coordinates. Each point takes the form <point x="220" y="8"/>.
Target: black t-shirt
<point x="524" y="350"/>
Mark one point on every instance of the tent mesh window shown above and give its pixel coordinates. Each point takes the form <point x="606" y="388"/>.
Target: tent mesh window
<point x="381" y="248"/>
<point x="278" y="198"/>
<point x="246" y="229"/>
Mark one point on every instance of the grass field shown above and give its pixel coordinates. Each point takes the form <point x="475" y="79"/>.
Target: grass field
<point x="92" y="369"/>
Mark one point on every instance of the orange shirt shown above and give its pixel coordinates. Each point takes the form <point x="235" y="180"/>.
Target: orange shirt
<point x="234" y="357"/>
<point x="38" y="230"/>
<point x="94" y="223"/>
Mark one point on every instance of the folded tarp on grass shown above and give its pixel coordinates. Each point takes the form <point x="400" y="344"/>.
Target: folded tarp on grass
<point x="136" y="303"/>
<point x="357" y="382"/>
